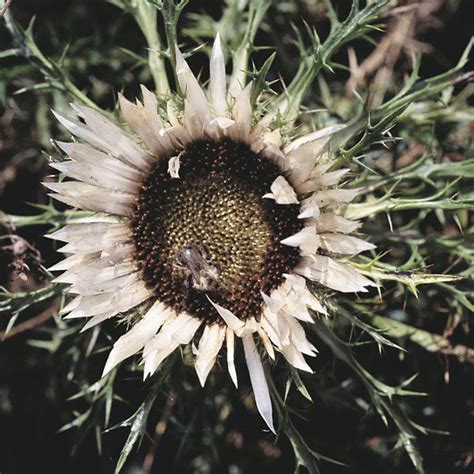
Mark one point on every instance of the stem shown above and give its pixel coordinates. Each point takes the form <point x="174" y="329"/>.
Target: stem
<point x="5" y="6"/>
<point x="171" y="11"/>
<point x="241" y="56"/>
<point x="49" y="217"/>
<point x="360" y="211"/>
<point x="145" y="15"/>
<point x="318" y="56"/>
<point x="33" y="322"/>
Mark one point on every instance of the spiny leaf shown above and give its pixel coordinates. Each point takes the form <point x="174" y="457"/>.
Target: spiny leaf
<point x="380" y="393"/>
<point x="411" y="279"/>
<point x="373" y="332"/>
<point x="304" y="455"/>
<point x="387" y="204"/>
<point x="429" y="341"/>
<point x="137" y="422"/>
<point x="53" y="73"/>
<point x="319" y="56"/>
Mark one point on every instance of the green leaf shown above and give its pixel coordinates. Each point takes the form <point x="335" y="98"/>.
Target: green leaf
<point x="53" y="73"/>
<point x="411" y="279"/>
<point x="318" y="56"/>
<point x="137" y="422"/>
<point x="304" y="455"/>
<point x="380" y="393"/>
<point x="367" y="328"/>
<point x="429" y="341"/>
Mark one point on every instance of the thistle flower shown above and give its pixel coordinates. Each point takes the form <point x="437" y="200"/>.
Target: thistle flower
<point x="209" y="223"/>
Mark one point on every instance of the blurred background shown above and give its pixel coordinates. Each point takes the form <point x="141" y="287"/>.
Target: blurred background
<point x="102" y="50"/>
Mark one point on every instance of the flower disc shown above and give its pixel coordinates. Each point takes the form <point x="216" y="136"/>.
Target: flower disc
<point x="216" y="208"/>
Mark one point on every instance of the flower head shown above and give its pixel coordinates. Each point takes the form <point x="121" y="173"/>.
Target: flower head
<point x="207" y="221"/>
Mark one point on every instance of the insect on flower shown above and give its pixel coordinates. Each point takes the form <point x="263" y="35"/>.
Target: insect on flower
<point x="200" y="272"/>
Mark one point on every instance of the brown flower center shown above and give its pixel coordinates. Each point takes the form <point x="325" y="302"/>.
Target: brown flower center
<point x="210" y="232"/>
